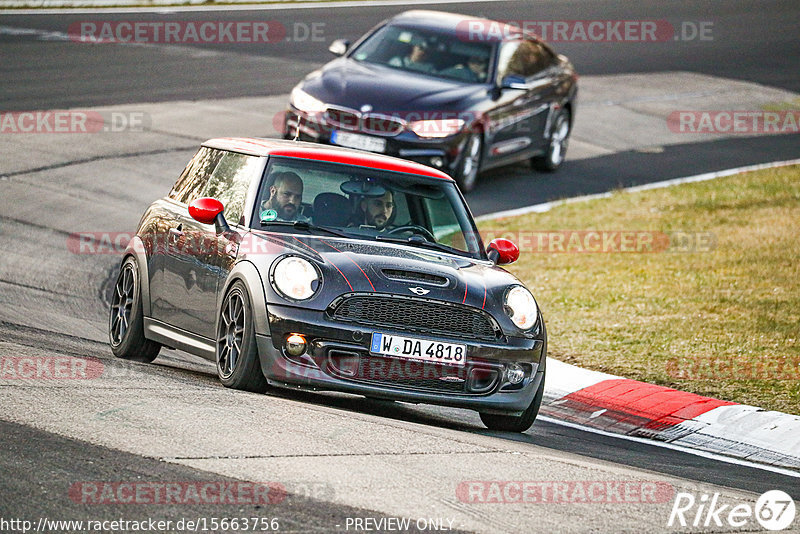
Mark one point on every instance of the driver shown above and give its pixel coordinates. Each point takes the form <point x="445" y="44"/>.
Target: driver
<point x="378" y="211"/>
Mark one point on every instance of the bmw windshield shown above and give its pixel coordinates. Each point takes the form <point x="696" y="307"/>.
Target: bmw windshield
<point x="348" y="201"/>
<point x="435" y="54"/>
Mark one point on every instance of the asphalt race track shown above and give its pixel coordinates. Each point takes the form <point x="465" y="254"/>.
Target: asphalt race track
<point x="337" y="457"/>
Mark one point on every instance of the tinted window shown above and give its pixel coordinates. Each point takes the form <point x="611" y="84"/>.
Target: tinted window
<point x="523" y="59"/>
<point x="230" y="180"/>
<point x="193" y="180"/>
<point x="436" y="54"/>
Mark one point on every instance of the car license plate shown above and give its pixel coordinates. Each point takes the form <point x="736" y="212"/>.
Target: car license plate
<point x="362" y="142"/>
<point x="418" y="349"/>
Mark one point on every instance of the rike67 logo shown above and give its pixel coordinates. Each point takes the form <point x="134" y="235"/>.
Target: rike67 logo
<point x="774" y="510"/>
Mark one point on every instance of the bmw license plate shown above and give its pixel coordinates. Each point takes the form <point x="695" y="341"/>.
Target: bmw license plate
<point x="418" y="349"/>
<point x="362" y="142"/>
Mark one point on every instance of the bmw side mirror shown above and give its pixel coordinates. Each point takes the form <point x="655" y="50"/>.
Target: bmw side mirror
<point x="339" y="47"/>
<point x="209" y="211"/>
<point x="502" y="251"/>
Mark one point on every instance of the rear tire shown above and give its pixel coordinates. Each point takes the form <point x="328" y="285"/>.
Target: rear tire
<point x="467" y="171"/>
<point x="516" y="423"/>
<point x="557" y="147"/>
<point x="126" y="320"/>
<point x="238" y="366"/>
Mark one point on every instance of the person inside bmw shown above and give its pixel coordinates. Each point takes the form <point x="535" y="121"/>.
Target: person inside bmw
<point x="378" y="211"/>
<point x="416" y="59"/>
<point x="285" y="199"/>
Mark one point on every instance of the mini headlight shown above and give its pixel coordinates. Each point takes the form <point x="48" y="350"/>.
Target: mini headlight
<point x="305" y="102"/>
<point x="295" y="278"/>
<point x="521" y="307"/>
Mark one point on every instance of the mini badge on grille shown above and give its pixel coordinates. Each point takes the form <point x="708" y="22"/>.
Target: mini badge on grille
<point x="419" y="290"/>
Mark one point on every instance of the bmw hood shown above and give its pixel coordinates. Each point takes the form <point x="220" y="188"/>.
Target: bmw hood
<point x="349" y="83"/>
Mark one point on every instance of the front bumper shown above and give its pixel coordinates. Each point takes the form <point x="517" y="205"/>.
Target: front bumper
<point x="439" y="153"/>
<point x="338" y="359"/>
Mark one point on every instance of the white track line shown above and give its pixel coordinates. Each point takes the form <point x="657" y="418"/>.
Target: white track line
<point x="547" y="206"/>
<point x="680" y="448"/>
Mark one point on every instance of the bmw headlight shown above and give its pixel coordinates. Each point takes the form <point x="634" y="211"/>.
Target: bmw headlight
<point x="521" y="307"/>
<point x="436" y="128"/>
<point x="295" y="278"/>
<point x="305" y="102"/>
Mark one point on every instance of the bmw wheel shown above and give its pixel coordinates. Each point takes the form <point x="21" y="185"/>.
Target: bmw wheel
<point x="126" y="320"/>
<point x="238" y="366"/>
<point x="557" y="148"/>
<point x="467" y="170"/>
<point x="516" y="423"/>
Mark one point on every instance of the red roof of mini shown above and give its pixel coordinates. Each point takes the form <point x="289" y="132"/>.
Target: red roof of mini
<point x="296" y="149"/>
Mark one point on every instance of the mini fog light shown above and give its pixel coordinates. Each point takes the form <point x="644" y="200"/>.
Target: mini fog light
<point x="295" y="344"/>
<point x="437" y="162"/>
<point x="515" y="373"/>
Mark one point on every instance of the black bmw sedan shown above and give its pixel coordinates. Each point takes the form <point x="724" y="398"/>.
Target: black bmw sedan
<point x="454" y="92"/>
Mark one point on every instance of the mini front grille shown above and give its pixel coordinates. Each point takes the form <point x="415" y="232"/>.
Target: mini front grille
<point x="410" y="374"/>
<point x="416" y="315"/>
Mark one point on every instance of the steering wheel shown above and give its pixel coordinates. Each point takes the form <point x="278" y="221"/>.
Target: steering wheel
<point x="415" y="228"/>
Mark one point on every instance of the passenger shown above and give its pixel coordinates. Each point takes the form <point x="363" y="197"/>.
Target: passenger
<point x="285" y="199"/>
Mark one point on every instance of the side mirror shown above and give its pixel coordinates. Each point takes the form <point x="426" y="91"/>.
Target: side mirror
<point x="502" y="251"/>
<point x="339" y="47"/>
<point x="513" y="81"/>
<point x="209" y="211"/>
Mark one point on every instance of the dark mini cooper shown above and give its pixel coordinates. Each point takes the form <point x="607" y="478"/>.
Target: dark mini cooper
<point x="459" y="93"/>
<point x="323" y="268"/>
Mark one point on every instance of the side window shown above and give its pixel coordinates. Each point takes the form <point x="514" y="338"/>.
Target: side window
<point x="195" y="176"/>
<point x="230" y="181"/>
<point x="523" y="59"/>
<point x="444" y="224"/>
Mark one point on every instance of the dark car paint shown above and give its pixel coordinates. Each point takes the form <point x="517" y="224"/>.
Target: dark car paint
<point x="186" y="276"/>
<point x="504" y="117"/>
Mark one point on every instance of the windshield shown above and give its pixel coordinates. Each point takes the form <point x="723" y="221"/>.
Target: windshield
<point x="435" y="54"/>
<point x="359" y="202"/>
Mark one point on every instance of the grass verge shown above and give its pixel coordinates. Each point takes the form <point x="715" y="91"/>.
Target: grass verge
<point x="712" y="308"/>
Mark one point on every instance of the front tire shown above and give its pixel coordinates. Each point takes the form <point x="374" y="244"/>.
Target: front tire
<point x="557" y="147"/>
<point x="516" y="423"/>
<point x="238" y="366"/>
<point x="467" y="171"/>
<point x="126" y="320"/>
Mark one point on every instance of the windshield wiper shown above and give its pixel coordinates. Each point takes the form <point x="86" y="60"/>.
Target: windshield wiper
<point x="421" y="241"/>
<point x="305" y="225"/>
